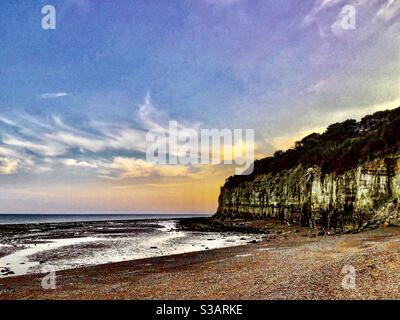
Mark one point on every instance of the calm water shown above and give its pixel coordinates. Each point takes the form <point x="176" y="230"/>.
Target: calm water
<point x="42" y="248"/>
<point x="55" y="218"/>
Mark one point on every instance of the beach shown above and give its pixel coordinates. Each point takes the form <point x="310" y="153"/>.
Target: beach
<point x="288" y="263"/>
<point x="53" y="246"/>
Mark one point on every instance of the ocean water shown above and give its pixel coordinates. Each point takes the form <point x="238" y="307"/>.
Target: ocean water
<point x="59" y="218"/>
<point x="41" y="248"/>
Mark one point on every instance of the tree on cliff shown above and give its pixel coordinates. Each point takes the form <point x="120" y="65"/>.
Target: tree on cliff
<point x="341" y="147"/>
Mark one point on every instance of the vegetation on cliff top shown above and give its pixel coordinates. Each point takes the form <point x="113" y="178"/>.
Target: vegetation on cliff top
<point x="341" y="147"/>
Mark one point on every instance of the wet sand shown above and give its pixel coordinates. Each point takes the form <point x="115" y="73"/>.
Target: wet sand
<point x="39" y="248"/>
<point x="289" y="264"/>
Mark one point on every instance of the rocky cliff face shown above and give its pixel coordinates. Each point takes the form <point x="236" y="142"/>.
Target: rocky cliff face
<point x="359" y="198"/>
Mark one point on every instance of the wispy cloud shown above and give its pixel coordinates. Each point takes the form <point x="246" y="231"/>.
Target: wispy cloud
<point x="110" y="150"/>
<point x="388" y="10"/>
<point x="7" y="121"/>
<point x="327" y="16"/>
<point x="318" y="7"/>
<point x="7" y="152"/>
<point x="81" y="164"/>
<point x="134" y="168"/>
<point x="53" y="95"/>
<point x="8" y="166"/>
<point x="40" y="147"/>
<point x="51" y="142"/>
<point x="222" y="2"/>
<point x="316" y="87"/>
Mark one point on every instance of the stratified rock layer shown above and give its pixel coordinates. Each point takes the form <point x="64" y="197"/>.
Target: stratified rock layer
<point x="362" y="197"/>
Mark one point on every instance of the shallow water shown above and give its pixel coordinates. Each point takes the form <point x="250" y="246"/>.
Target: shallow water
<point x="67" y="253"/>
<point x="59" y="218"/>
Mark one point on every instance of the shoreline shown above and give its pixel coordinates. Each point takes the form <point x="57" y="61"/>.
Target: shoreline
<point x="290" y="266"/>
<point x="35" y="248"/>
<point x="18" y="219"/>
<point x="29" y="286"/>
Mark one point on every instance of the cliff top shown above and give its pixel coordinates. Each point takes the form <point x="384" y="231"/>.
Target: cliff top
<point x="341" y="147"/>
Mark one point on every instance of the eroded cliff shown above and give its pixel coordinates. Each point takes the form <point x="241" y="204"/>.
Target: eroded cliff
<point x="361" y="196"/>
<point x="366" y="195"/>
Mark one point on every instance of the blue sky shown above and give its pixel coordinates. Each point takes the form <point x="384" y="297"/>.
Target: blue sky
<point x="75" y="102"/>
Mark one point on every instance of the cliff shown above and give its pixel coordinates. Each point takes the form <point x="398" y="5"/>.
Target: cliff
<point x="329" y="183"/>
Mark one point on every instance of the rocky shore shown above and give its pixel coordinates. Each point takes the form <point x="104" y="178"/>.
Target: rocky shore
<point x="216" y="225"/>
<point x="34" y="248"/>
<point x="291" y="264"/>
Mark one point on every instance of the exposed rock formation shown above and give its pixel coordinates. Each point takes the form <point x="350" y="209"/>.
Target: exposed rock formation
<point x="344" y="179"/>
<point x="366" y="195"/>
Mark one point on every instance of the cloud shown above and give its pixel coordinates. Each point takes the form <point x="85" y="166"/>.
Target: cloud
<point x="318" y="7"/>
<point x="134" y="168"/>
<point x="327" y="16"/>
<point x="42" y="148"/>
<point x="7" y="152"/>
<point x="54" y="138"/>
<point x="53" y="95"/>
<point x="70" y="139"/>
<point x="388" y="10"/>
<point x="113" y="150"/>
<point x="222" y="2"/>
<point x="51" y="142"/>
<point x="120" y="167"/>
<point x="8" y="166"/>
<point x="316" y="87"/>
<point x="149" y="117"/>
<point x="76" y="163"/>
<point x="7" y="121"/>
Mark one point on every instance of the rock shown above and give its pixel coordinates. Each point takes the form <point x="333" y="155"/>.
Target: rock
<point x="385" y="224"/>
<point x="365" y="195"/>
<point x="365" y="224"/>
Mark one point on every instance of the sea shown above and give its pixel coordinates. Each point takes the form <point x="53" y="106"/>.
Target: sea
<point x="40" y="243"/>
<point x="58" y="218"/>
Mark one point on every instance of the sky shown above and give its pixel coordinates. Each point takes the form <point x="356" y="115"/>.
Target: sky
<point x="76" y="102"/>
